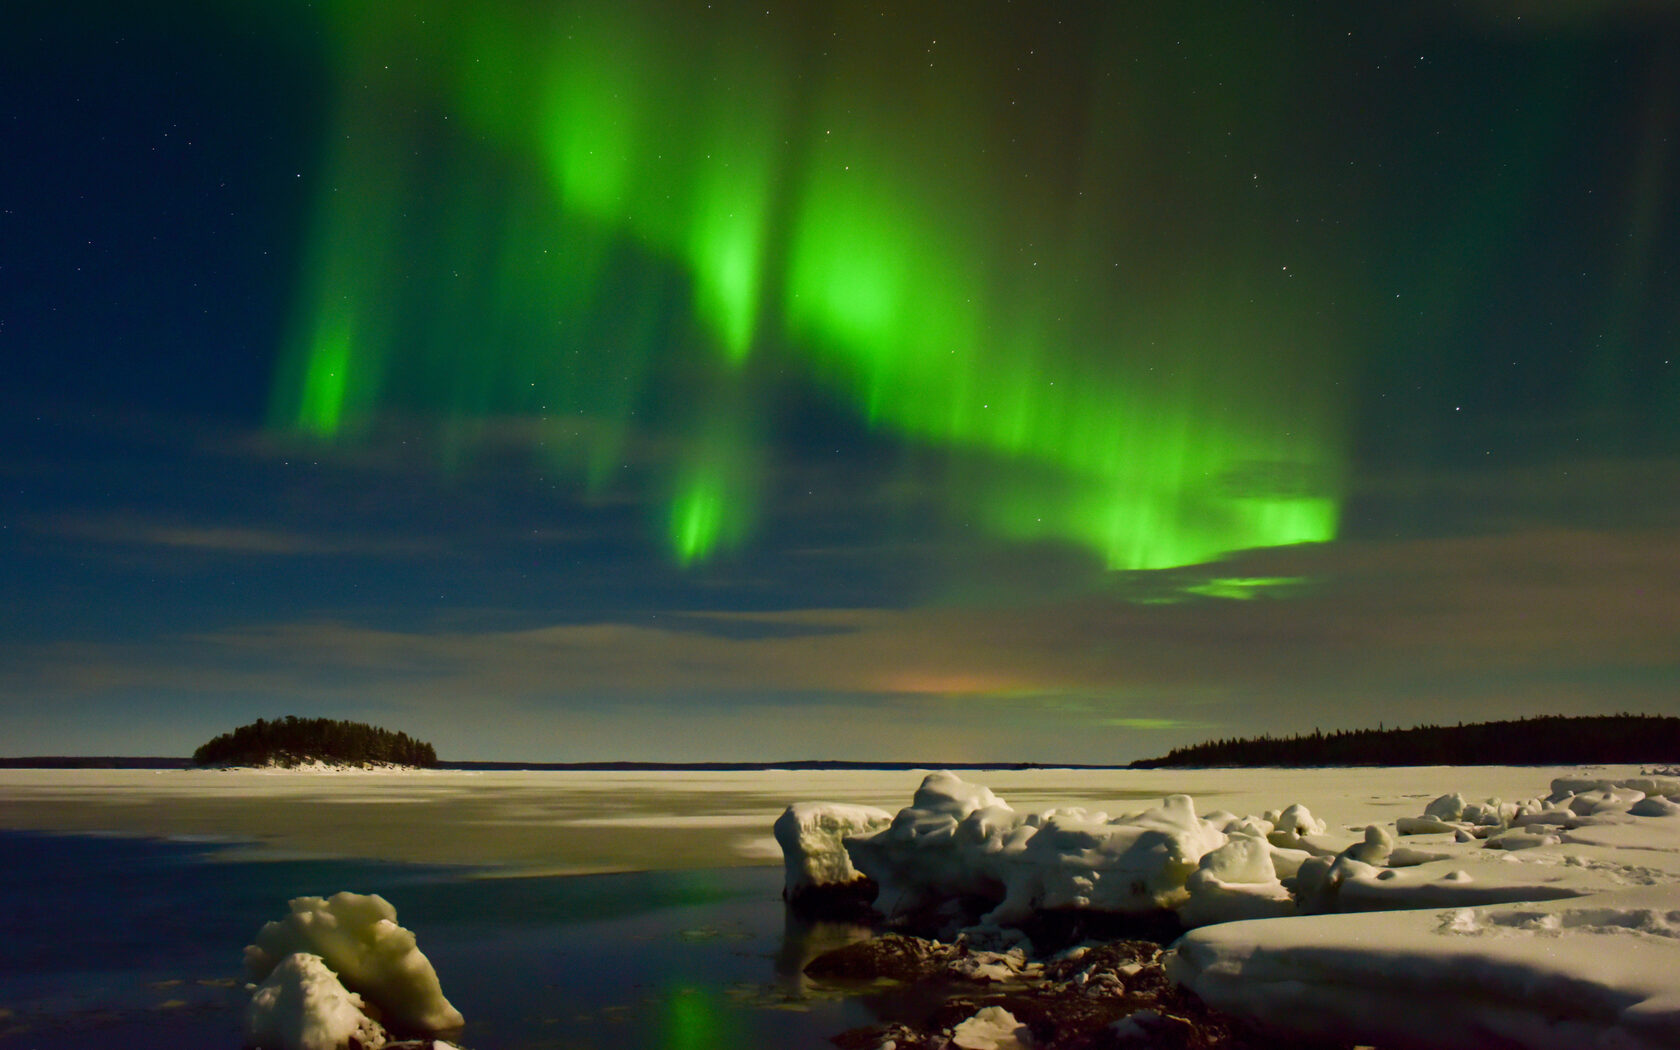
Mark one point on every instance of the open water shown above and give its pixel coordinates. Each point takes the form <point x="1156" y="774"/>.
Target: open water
<point x="136" y="943"/>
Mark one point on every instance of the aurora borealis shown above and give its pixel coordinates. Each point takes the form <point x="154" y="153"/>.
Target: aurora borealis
<point x="620" y="206"/>
<point x="1073" y="371"/>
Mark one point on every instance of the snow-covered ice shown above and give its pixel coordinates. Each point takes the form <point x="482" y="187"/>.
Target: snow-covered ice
<point x="960" y="840"/>
<point x="810" y="836"/>
<point x="1597" y="971"/>
<point x="1582" y="950"/>
<point x="357" y="938"/>
<point x="1551" y="921"/>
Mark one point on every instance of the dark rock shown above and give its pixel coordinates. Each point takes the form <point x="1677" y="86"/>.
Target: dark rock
<point x="898" y="957"/>
<point x="899" y="1036"/>
<point x="1071" y="1002"/>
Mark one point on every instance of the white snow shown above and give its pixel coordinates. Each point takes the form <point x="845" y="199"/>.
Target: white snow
<point x="1239" y="880"/>
<point x="302" y="1006"/>
<point x="1600" y="971"/>
<point x="960" y="840"/>
<point x="957" y="839"/>
<point x="357" y="937"/>
<point x="810" y="835"/>
<point x="992" y="1028"/>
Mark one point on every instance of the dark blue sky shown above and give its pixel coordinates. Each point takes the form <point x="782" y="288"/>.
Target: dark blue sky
<point x="1479" y="198"/>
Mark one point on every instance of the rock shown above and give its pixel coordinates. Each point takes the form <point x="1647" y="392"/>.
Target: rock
<point x="1151" y="1028"/>
<point x="1077" y="1000"/>
<point x="896" y="957"/>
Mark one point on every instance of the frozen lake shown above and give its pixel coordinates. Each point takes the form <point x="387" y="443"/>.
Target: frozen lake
<point x="561" y="909"/>
<point x="591" y="822"/>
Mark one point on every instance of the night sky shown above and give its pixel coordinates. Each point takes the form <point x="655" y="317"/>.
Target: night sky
<point x="980" y="381"/>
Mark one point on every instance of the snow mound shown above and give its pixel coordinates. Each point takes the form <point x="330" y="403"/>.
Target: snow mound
<point x="356" y="936"/>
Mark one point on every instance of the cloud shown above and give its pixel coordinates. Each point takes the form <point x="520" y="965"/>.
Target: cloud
<point x="1151" y="723"/>
<point x="132" y="530"/>
<point x="1398" y="631"/>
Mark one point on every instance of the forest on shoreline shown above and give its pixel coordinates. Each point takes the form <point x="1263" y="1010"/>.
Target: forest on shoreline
<point x="1546" y="740"/>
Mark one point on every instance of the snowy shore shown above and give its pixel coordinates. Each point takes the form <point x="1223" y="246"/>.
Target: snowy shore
<point x="1551" y="921"/>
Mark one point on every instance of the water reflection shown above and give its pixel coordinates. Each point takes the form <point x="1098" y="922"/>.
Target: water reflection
<point x="121" y="928"/>
<point x="803" y="939"/>
<point x="693" y="1021"/>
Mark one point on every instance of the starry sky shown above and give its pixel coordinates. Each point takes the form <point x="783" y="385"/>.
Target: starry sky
<point x="570" y="380"/>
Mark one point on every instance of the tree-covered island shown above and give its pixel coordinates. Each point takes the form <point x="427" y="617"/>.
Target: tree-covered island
<point x="293" y="741"/>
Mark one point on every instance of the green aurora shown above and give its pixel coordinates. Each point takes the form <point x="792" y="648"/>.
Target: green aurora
<point x="631" y="228"/>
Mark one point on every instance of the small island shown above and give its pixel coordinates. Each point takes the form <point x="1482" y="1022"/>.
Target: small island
<point x="293" y="741"/>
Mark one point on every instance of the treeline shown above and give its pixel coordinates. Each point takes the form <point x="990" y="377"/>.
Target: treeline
<point x="1547" y="740"/>
<point x="291" y="740"/>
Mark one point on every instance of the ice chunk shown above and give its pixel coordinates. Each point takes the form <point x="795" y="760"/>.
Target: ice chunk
<point x="1375" y="848"/>
<point x="302" y="1006"/>
<point x="945" y="794"/>
<point x="1655" y="806"/>
<point x="1522" y="838"/>
<point x="921" y="858"/>
<point x="1654" y="782"/>
<point x="1607" y="799"/>
<point x="1424" y="825"/>
<point x="1490" y="813"/>
<point x="1236" y="881"/>
<point x="1131" y="864"/>
<point x="958" y="840"/>
<point x="993" y="1028"/>
<point x="1243" y="858"/>
<point x="1298" y="820"/>
<point x="1294" y="826"/>
<point x="811" y="835"/>
<point x="358" y="938"/>
<point x="1446" y="808"/>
